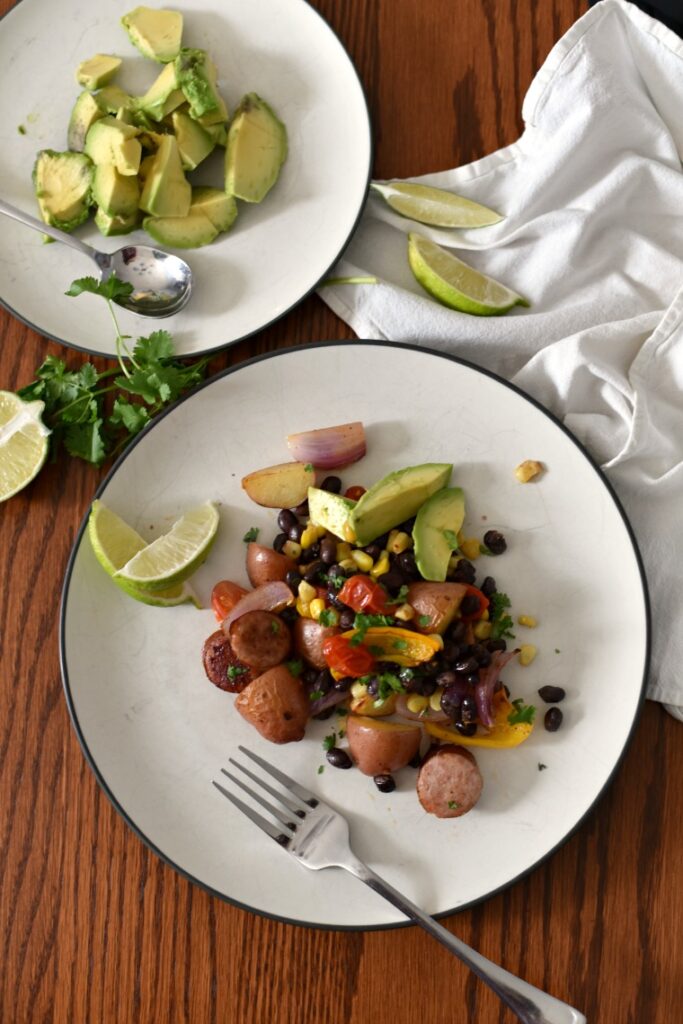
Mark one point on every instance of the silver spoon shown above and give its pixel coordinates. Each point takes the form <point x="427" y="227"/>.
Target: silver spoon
<point x="162" y="283"/>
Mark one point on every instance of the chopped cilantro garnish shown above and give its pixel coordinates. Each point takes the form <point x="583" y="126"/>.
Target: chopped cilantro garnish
<point x="451" y="539"/>
<point x="387" y="683"/>
<point x="328" y="617"/>
<point x="236" y="670"/>
<point x="251" y="534"/>
<point x="558" y="651"/>
<point x="275" y="627"/>
<point x="341" y="711"/>
<point x="401" y="596"/>
<point x="295" y="667"/>
<point x="330" y="741"/>
<point x="315" y="695"/>
<point x="501" y="623"/>
<point x="309" y="467"/>
<point x="362" y="624"/>
<point x="483" y="550"/>
<point x="453" y="805"/>
<point x="523" y="713"/>
<point x="400" y="645"/>
<point x="321" y="769"/>
<point x="376" y="650"/>
<point x="542" y="767"/>
<point x="423" y="620"/>
<point x="342" y="734"/>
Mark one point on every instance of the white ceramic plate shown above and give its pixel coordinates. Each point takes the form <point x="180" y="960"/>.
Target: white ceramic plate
<point x="156" y="731"/>
<point x="277" y="251"/>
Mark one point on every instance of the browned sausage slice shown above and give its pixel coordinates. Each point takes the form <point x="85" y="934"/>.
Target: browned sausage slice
<point x="260" y="639"/>
<point x="222" y="665"/>
<point x="449" y="783"/>
<point x="276" y="704"/>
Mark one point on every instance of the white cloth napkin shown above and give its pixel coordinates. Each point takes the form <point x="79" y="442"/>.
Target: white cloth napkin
<point x="593" y="236"/>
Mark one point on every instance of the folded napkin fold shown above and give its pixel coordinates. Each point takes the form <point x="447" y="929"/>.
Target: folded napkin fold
<point x="592" y="194"/>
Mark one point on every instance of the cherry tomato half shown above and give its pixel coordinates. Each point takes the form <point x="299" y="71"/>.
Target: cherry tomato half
<point x="347" y="660"/>
<point x="483" y="604"/>
<point x="224" y="597"/>
<point x="354" y="493"/>
<point x="364" y="595"/>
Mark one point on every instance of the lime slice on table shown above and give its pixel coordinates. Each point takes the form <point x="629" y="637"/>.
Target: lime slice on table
<point x="435" y="206"/>
<point x="115" y="543"/>
<point x="455" y="284"/>
<point x="175" y="556"/>
<point x="23" y="442"/>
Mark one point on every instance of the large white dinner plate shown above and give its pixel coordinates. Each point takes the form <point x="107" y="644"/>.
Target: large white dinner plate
<point x="277" y="251"/>
<point x="156" y="732"/>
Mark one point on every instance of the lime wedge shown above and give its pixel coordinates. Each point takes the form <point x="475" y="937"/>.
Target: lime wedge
<point x="23" y="442"/>
<point x="455" y="284"/>
<point x="435" y="206"/>
<point x="115" y="543"/>
<point x="175" y="556"/>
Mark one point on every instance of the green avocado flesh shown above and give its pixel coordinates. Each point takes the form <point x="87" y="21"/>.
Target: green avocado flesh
<point x="167" y="193"/>
<point x="188" y="232"/>
<point x="194" y="142"/>
<point x="108" y="225"/>
<point x="156" y="33"/>
<point x="111" y="99"/>
<point x="221" y="209"/>
<point x="196" y="77"/>
<point x="163" y="95"/>
<point x="86" y="111"/>
<point x="329" y="510"/>
<point x="63" y="186"/>
<point x="435" y="532"/>
<point x="97" y="71"/>
<point x="118" y="195"/>
<point x="110" y="141"/>
<point x="396" y="497"/>
<point x="256" y="150"/>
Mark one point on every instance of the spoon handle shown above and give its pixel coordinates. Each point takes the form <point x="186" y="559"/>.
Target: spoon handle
<point x="46" y="229"/>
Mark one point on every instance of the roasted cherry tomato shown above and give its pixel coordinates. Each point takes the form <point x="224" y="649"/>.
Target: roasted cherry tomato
<point x="483" y="604"/>
<point x="341" y="656"/>
<point x="364" y="595"/>
<point x="354" y="493"/>
<point x="224" y="597"/>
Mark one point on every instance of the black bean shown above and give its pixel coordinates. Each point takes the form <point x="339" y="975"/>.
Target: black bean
<point x="344" y="684"/>
<point x="336" y="571"/>
<point x="456" y="631"/>
<point x="323" y="681"/>
<point x="466" y="728"/>
<point x="392" y="580"/>
<point x="407" y="564"/>
<point x="451" y="702"/>
<point x="447" y="678"/>
<point x="472" y="679"/>
<point x="496" y="645"/>
<point x="469" y="605"/>
<point x="553" y="719"/>
<point x="295" y="531"/>
<point x="286" y="520"/>
<point x="339" y="758"/>
<point x="310" y="554"/>
<point x="309" y="676"/>
<point x="293" y="579"/>
<point x="324" y="715"/>
<point x="374" y="550"/>
<point x="347" y="618"/>
<point x="280" y="542"/>
<point x="312" y="570"/>
<point x="468" y="709"/>
<point x="302" y="509"/>
<point x="328" y="550"/>
<point x="289" y="615"/>
<point x="464" y="572"/>
<point x="495" y="542"/>
<point x="552" y="694"/>
<point x="385" y="783"/>
<point x="467" y="666"/>
<point x="333" y="599"/>
<point x="332" y="484"/>
<point x="451" y="651"/>
<point x="425" y="686"/>
<point x="382" y="541"/>
<point x="482" y="656"/>
<point x="373" y="686"/>
<point x="488" y="586"/>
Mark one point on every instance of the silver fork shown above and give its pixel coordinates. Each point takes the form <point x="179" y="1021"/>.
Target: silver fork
<point x="318" y="837"/>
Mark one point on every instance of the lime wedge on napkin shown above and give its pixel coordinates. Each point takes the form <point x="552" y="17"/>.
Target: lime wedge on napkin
<point x="435" y="206"/>
<point x="456" y="285"/>
<point x="23" y="442"/>
<point x="115" y="543"/>
<point x="174" y="557"/>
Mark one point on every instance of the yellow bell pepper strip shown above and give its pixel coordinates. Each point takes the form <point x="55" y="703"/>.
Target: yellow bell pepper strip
<point x="402" y="646"/>
<point x="502" y="735"/>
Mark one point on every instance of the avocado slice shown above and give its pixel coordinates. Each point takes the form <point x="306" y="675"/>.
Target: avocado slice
<point x="218" y="116"/>
<point x="167" y="193"/>
<point x="220" y="208"/>
<point x="63" y="186"/>
<point x="156" y="33"/>
<point x="97" y="70"/>
<point x="435" y="532"/>
<point x="330" y="510"/>
<point x="196" y="75"/>
<point x="194" y="143"/>
<point x="396" y="497"/>
<point x="163" y="95"/>
<point x="109" y="225"/>
<point x="86" y="111"/>
<point x="110" y="141"/>
<point x="112" y="98"/>
<point x="188" y="232"/>
<point x="218" y="132"/>
<point x="117" y="195"/>
<point x="255" y="151"/>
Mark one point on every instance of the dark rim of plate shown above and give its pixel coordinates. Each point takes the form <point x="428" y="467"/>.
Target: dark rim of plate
<point x="304" y="295"/>
<point x="283" y="353"/>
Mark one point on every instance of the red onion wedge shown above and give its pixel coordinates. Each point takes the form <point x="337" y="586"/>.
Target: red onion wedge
<point x="271" y="597"/>
<point x="488" y="677"/>
<point x="330" y="700"/>
<point x="428" y="715"/>
<point x="329" y="447"/>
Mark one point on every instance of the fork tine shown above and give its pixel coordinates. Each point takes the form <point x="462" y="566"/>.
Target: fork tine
<point x="288" y="802"/>
<point x="303" y="794"/>
<point x="266" y="826"/>
<point x="275" y="811"/>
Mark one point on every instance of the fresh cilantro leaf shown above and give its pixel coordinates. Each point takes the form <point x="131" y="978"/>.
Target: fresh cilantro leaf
<point x="328" y="617"/>
<point x="558" y="651"/>
<point x="401" y="596"/>
<point x="342" y="734"/>
<point x="132" y="417"/>
<point x="400" y="645"/>
<point x="423" y="620"/>
<point x="315" y="695"/>
<point x="295" y="667"/>
<point x="86" y="441"/>
<point x="483" y="550"/>
<point x="362" y="623"/>
<point x="376" y="650"/>
<point x="157" y="346"/>
<point x="451" y="539"/>
<point x="387" y="683"/>
<point x="309" y="467"/>
<point x="523" y="713"/>
<point x="321" y="769"/>
<point x="235" y="670"/>
<point x="453" y="805"/>
<point x="341" y="711"/>
<point x="542" y="767"/>
<point x="88" y="376"/>
<point x="251" y="534"/>
<point x="501" y="622"/>
<point x="330" y="741"/>
<point x="113" y="288"/>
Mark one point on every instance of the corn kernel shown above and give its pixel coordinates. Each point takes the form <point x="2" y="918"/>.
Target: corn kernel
<point x="527" y="653"/>
<point x="470" y="548"/>
<point x="316" y="606"/>
<point x="307" y="592"/>
<point x="405" y="613"/>
<point x="362" y="560"/>
<point x="461" y="536"/>
<point x="343" y="551"/>
<point x="291" y="549"/>
<point x="527" y="620"/>
<point x="348" y="564"/>
<point x="381" y="565"/>
<point x="437" y="639"/>
<point x="309" y="537"/>
<point x="482" y="630"/>
<point x="349" y="532"/>
<point x="435" y="699"/>
<point x="416" y="703"/>
<point x="453" y="560"/>
<point x="393" y="534"/>
<point x="358" y="690"/>
<point x="485" y="615"/>
<point x="302" y="608"/>
<point x="401" y="542"/>
<point x="527" y="470"/>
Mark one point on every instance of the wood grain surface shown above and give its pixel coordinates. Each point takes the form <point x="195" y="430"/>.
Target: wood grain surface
<point x="93" y="927"/>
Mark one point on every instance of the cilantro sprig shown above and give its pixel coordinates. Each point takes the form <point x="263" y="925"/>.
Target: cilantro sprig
<point x="523" y="713"/>
<point x="84" y="420"/>
<point x="501" y="622"/>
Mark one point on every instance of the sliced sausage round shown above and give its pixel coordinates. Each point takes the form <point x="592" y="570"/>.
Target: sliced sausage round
<point x="449" y="783"/>
<point x="222" y="665"/>
<point x="260" y="639"/>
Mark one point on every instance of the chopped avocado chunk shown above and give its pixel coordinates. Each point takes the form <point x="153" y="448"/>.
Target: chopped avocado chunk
<point x="156" y="33"/>
<point x="110" y="141"/>
<point x="396" y="497"/>
<point x="221" y="209"/>
<point x="63" y="184"/>
<point x="97" y="71"/>
<point x="196" y="74"/>
<point x="146" y="166"/>
<point x="181" y="232"/>
<point x="256" y="150"/>
<point x="218" y="116"/>
<point x="167" y="193"/>
<point x="436" y="525"/>
<point x="86" y="111"/>
<point x="194" y="143"/>
<point x="163" y="95"/>
<point x="219" y="133"/>
<point x="112" y="98"/>
<point x="115" y="225"/>
<point x="329" y="510"/>
<point x="116" y="194"/>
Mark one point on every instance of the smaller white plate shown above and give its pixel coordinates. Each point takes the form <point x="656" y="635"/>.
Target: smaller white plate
<point x="276" y="252"/>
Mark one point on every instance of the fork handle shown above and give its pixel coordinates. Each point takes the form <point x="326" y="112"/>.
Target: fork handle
<point x="531" y="1005"/>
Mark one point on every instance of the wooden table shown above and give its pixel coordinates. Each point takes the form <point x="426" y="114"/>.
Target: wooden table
<point x="93" y="927"/>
